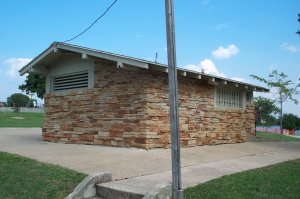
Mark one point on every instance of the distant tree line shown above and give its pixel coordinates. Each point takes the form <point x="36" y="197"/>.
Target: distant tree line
<point x="267" y="115"/>
<point x="17" y="99"/>
<point x="291" y="121"/>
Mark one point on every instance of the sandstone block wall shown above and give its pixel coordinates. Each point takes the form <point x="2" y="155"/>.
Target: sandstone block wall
<point x="130" y="108"/>
<point x="112" y="113"/>
<point x="200" y="122"/>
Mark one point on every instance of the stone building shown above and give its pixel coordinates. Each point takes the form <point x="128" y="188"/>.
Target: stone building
<point x="95" y="97"/>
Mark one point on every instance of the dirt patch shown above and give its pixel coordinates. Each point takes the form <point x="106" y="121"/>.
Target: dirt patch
<point x="18" y="118"/>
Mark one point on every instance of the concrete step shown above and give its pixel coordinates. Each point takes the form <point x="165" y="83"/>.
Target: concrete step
<point x="112" y="191"/>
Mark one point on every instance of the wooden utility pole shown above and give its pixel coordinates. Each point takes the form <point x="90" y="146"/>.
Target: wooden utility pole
<point x="177" y="192"/>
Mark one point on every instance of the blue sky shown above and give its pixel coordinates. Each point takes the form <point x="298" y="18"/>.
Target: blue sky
<point x="227" y="38"/>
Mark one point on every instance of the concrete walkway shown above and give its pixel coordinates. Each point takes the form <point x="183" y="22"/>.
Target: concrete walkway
<point x="139" y="170"/>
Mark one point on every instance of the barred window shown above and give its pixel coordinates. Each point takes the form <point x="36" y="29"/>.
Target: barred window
<point x="228" y="99"/>
<point x="249" y="97"/>
<point x="70" y="81"/>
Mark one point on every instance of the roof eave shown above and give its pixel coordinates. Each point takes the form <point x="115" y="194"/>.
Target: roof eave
<point x="28" y="67"/>
<point x="121" y="60"/>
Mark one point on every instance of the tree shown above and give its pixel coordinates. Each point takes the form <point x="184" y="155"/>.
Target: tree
<point x="267" y="109"/>
<point x="34" y="84"/>
<point x="284" y="89"/>
<point x="17" y="100"/>
<point x="291" y="121"/>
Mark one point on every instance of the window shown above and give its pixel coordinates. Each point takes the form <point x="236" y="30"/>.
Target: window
<point x="228" y="99"/>
<point x="71" y="81"/>
<point x="249" y="97"/>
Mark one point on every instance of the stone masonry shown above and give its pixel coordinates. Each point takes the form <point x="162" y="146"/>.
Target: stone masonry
<point x="130" y="108"/>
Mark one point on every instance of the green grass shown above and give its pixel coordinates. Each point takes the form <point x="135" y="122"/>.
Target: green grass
<point x="30" y="119"/>
<point x="276" y="136"/>
<point x="26" y="178"/>
<point x="275" y="181"/>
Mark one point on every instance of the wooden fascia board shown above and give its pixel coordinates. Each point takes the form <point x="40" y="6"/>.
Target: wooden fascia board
<point x="31" y="64"/>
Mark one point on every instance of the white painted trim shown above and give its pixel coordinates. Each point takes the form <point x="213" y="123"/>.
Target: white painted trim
<point x="59" y="47"/>
<point x="31" y="64"/>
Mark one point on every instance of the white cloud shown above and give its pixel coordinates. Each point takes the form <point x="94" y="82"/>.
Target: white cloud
<point x="224" y="53"/>
<point x="289" y="47"/>
<point x="206" y="66"/>
<point x="15" y="64"/>
<point x="209" y="67"/>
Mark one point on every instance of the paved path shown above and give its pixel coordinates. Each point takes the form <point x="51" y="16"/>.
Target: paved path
<point x="140" y="169"/>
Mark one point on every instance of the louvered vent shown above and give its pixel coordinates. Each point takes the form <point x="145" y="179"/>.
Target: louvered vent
<point x="71" y="81"/>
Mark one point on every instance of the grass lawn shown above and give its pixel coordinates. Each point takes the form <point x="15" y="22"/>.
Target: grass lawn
<point x="26" y="178"/>
<point x="276" y="136"/>
<point x="30" y="119"/>
<point x="275" y="181"/>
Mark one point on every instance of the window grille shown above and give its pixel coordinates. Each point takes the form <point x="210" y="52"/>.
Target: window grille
<point x="249" y="97"/>
<point x="227" y="98"/>
<point x="71" y="81"/>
